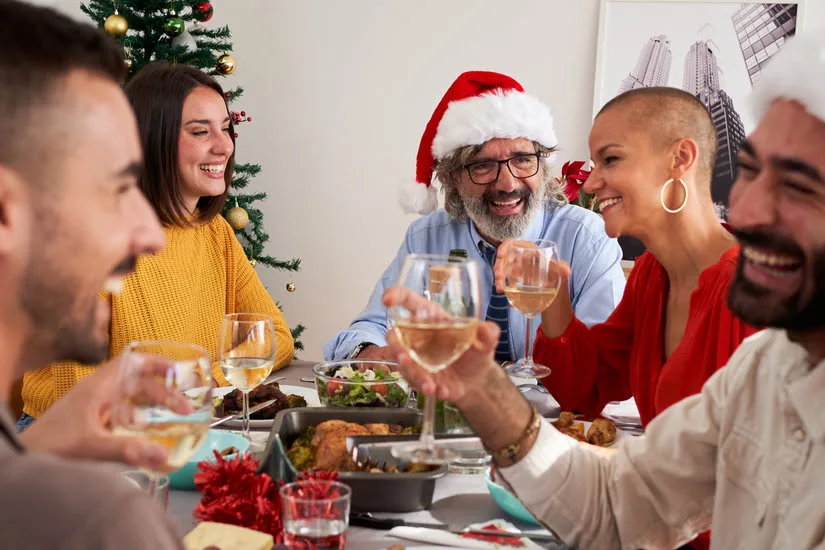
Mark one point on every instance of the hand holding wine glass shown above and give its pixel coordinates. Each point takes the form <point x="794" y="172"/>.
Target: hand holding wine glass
<point x="436" y="328"/>
<point x="246" y="352"/>
<point x="163" y="393"/>
<point x="532" y="278"/>
<point x="503" y="262"/>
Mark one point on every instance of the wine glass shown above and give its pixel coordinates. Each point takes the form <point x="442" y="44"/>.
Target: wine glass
<point x="246" y="353"/>
<point x="532" y="281"/>
<point x="163" y="393"/>
<point x="436" y="331"/>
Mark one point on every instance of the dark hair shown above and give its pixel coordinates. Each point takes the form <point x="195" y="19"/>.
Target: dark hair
<point x="157" y="93"/>
<point x="40" y="47"/>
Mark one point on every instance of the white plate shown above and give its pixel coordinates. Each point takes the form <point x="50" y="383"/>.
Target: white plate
<point x="310" y="394"/>
<point x="619" y="433"/>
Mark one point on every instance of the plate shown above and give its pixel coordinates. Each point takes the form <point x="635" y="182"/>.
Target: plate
<point x="310" y="394"/>
<point x="507" y="501"/>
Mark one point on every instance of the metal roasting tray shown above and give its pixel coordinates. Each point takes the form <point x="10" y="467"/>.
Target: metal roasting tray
<point x="397" y="493"/>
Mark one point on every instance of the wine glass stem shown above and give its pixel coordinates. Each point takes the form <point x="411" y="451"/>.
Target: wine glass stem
<point x="245" y="429"/>
<point x="427" y="431"/>
<point x="528" y="345"/>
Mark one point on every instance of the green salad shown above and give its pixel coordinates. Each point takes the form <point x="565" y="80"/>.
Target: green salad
<point x="368" y="388"/>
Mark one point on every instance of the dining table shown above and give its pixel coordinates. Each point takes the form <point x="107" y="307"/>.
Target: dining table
<point x="459" y="499"/>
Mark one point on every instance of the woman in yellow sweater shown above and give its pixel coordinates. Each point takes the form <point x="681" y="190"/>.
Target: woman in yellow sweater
<point x="183" y="292"/>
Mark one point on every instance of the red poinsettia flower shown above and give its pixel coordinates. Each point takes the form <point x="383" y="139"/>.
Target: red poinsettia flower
<point x="573" y="176"/>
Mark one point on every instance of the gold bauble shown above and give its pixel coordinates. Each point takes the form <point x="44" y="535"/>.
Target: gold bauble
<point x="237" y="217"/>
<point x="116" y="25"/>
<point x="128" y="62"/>
<point x="253" y="262"/>
<point x="226" y="64"/>
<point x="290" y="287"/>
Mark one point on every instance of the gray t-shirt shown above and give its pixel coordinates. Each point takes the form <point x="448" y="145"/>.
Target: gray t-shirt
<point x="49" y="502"/>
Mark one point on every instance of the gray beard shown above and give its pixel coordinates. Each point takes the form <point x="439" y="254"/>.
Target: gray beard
<point x="498" y="227"/>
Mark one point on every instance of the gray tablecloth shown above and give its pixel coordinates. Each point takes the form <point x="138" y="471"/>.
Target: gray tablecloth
<point x="459" y="499"/>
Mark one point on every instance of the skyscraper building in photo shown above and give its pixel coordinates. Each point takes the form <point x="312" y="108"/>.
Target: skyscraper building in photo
<point x="652" y="67"/>
<point x="701" y="78"/>
<point x="761" y="30"/>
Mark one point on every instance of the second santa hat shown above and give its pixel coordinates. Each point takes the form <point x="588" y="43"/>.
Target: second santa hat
<point x="478" y="107"/>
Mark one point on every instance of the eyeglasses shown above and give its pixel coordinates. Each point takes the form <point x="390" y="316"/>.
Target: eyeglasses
<point x="486" y="172"/>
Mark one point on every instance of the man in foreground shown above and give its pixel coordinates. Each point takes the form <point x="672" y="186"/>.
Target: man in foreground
<point x="744" y="457"/>
<point x="72" y="221"/>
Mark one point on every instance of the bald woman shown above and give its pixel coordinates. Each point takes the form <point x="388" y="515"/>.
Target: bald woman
<point x="653" y="151"/>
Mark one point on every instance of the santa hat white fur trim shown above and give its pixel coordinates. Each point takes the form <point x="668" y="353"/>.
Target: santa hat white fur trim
<point x="417" y="198"/>
<point x="507" y="115"/>
<point x="797" y="73"/>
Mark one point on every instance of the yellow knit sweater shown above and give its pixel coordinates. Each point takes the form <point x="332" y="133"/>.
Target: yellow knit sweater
<point x="180" y="294"/>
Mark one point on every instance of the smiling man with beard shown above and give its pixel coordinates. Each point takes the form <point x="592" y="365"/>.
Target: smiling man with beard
<point x="490" y="145"/>
<point x="745" y="456"/>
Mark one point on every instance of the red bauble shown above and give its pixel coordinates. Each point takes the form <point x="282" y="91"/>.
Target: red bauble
<point x="202" y="11"/>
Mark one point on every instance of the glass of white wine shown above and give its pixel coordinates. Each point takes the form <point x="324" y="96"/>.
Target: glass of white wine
<point x="532" y="281"/>
<point x="436" y="331"/>
<point x="246" y="352"/>
<point x="163" y="393"/>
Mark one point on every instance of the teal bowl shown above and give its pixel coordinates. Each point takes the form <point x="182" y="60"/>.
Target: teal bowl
<point x="216" y="440"/>
<point x="507" y="501"/>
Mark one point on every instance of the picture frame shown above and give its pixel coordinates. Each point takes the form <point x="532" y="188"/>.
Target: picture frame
<point x="714" y="49"/>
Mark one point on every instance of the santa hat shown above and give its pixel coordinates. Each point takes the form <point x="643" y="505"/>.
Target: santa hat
<point x="796" y="72"/>
<point x="478" y="107"/>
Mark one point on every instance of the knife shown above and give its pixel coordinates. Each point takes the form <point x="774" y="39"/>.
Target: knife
<point x="367" y="520"/>
<point x="254" y="409"/>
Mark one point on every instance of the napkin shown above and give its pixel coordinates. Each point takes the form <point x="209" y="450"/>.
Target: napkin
<point x="624" y="411"/>
<point x="545" y="404"/>
<point x="436" y="536"/>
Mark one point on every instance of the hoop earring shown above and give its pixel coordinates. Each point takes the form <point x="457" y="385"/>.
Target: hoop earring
<point x="662" y="196"/>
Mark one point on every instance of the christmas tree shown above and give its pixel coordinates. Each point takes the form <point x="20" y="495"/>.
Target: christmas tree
<point x="156" y="30"/>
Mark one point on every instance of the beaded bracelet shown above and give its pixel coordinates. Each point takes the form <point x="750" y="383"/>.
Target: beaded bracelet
<point x="506" y="456"/>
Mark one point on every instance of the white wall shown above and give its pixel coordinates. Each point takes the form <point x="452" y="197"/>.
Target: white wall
<point x="340" y="92"/>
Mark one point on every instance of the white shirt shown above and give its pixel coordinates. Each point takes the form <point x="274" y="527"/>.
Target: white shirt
<point x="745" y="457"/>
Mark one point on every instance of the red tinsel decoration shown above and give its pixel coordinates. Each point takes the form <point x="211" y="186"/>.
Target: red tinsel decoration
<point x="234" y="493"/>
<point x="573" y="177"/>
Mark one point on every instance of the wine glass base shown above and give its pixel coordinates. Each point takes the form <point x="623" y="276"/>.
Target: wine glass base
<point x="415" y="452"/>
<point x="527" y="370"/>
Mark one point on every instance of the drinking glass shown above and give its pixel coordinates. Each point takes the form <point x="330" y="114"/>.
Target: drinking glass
<point x="144" y="482"/>
<point x="246" y="353"/>
<point x="532" y="281"/>
<point x="163" y="393"/>
<point x="315" y="514"/>
<point x="436" y="330"/>
<point x="472" y="457"/>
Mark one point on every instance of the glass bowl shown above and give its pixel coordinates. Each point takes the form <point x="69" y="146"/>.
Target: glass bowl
<point x="360" y="383"/>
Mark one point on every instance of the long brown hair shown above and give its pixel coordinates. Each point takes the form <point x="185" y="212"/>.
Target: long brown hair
<point x="157" y="93"/>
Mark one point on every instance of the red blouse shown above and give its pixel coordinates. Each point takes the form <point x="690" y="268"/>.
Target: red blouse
<point x="624" y="356"/>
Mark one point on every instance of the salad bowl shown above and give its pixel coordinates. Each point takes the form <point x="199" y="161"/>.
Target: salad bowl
<point x="360" y="383"/>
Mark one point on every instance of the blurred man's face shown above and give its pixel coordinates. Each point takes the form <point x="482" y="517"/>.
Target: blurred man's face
<point x="777" y="210"/>
<point x="92" y="220"/>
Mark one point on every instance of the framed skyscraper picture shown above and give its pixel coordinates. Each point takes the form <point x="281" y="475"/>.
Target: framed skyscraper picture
<point x="713" y="49"/>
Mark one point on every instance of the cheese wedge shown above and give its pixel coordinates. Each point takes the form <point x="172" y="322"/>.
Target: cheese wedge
<point x="226" y="537"/>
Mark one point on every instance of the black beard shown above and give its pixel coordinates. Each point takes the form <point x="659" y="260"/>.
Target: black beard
<point x="756" y="305"/>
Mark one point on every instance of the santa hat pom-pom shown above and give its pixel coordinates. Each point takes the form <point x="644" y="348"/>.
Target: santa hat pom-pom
<point x="417" y="198"/>
<point x="797" y="73"/>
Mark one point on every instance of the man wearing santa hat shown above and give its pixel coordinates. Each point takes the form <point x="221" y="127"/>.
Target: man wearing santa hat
<point x="490" y="145"/>
<point x="745" y="456"/>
